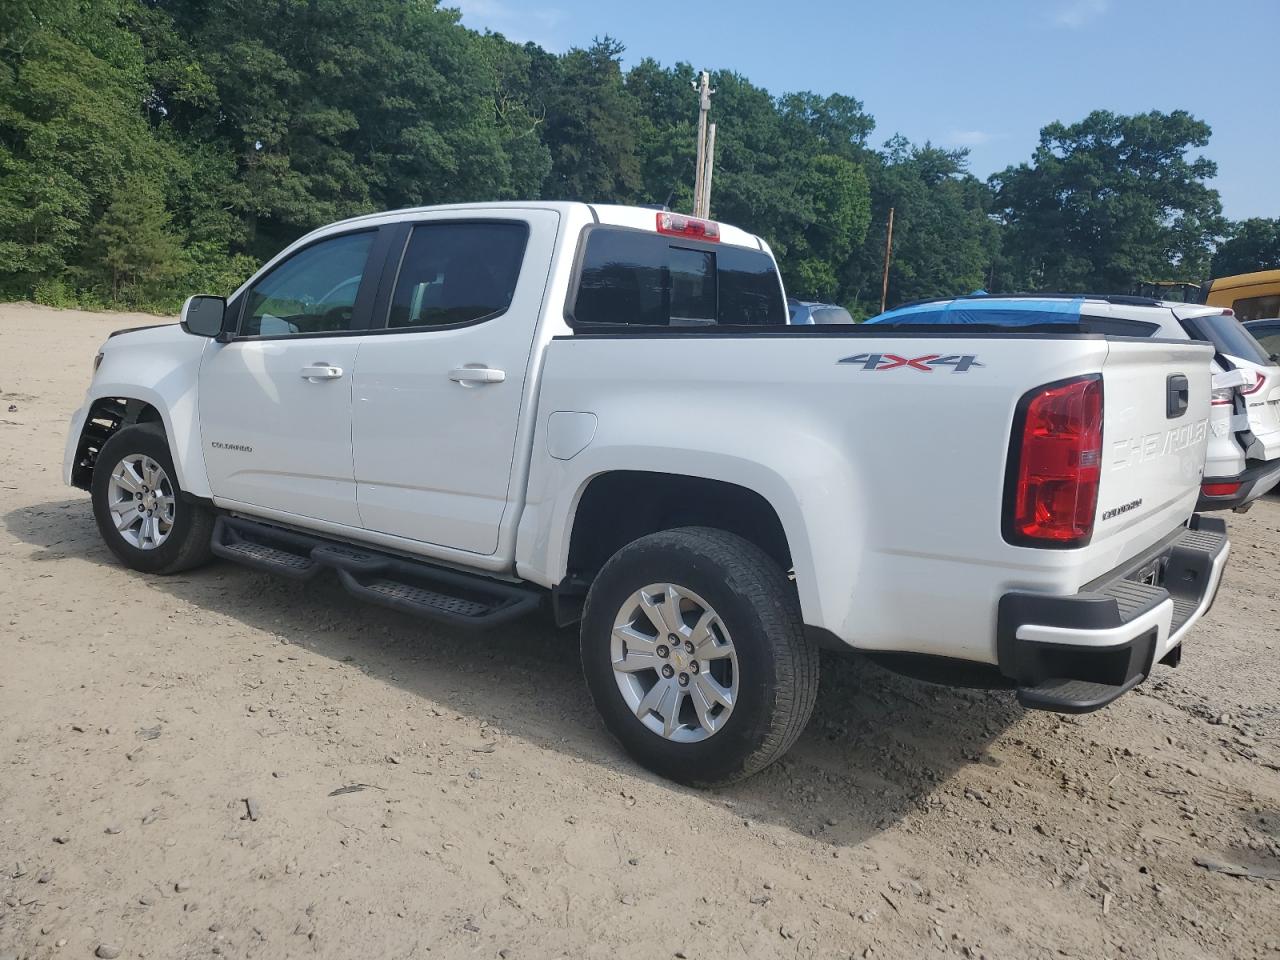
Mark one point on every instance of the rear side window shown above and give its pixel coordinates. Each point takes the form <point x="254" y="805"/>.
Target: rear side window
<point x="1228" y="336"/>
<point x="1268" y="335"/>
<point x="455" y="273"/>
<point x="634" y="278"/>
<point x="1257" y="308"/>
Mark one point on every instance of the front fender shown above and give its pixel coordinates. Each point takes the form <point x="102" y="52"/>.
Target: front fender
<point x="160" y="367"/>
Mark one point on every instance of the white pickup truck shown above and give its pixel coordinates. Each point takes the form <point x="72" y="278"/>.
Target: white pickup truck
<point x="465" y="411"/>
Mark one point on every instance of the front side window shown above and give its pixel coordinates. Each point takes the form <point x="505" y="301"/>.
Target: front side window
<point x="314" y="291"/>
<point x="636" y="278"/>
<point x="455" y="273"/>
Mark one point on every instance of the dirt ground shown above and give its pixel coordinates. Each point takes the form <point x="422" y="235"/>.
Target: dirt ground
<point x="419" y="792"/>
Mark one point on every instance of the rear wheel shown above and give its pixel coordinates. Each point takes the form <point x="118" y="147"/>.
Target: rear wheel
<point x="696" y="657"/>
<point x="139" y="507"/>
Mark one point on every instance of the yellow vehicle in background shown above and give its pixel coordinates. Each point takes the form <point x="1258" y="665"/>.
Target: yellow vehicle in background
<point x="1252" y="296"/>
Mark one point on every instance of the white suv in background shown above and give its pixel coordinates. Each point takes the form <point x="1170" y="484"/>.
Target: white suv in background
<point x="1243" y="460"/>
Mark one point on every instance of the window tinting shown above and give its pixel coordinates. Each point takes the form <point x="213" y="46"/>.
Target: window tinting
<point x="1268" y="335"/>
<point x="457" y="273"/>
<point x="314" y="291"/>
<point x="750" y="292"/>
<point x="1228" y="336"/>
<point x="693" y="285"/>
<point x="642" y="279"/>
<point x="1257" y="308"/>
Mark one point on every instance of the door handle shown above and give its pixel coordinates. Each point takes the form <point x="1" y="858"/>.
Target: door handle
<point x="477" y="374"/>
<point x="321" y="371"/>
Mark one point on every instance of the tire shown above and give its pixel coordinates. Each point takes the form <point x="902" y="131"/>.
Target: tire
<point x="757" y="616"/>
<point x="185" y="542"/>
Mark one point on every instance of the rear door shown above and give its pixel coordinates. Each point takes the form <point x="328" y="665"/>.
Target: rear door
<point x="439" y="382"/>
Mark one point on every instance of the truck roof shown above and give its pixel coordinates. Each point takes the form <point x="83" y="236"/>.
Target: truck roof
<point x="640" y="218"/>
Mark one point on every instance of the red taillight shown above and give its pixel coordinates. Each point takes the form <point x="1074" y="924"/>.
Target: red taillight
<point x="1219" y="489"/>
<point x="1053" y="485"/>
<point x="677" y="224"/>
<point x="1246" y="391"/>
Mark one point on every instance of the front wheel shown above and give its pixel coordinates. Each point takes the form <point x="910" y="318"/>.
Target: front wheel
<point x="695" y="655"/>
<point x="139" y="506"/>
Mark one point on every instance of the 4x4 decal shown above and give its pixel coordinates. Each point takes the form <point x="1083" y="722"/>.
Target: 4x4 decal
<point x="891" y="361"/>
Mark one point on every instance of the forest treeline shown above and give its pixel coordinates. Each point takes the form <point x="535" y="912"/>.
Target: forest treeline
<point x="152" y="148"/>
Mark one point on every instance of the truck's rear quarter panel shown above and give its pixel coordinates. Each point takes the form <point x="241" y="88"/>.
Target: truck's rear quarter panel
<point x="888" y="477"/>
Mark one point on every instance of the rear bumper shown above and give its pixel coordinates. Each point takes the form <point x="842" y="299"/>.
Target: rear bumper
<point x="1073" y="654"/>
<point x="1258" y="477"/>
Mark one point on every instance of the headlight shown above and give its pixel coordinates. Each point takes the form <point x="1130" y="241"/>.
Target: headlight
<point x="97" y="361"/>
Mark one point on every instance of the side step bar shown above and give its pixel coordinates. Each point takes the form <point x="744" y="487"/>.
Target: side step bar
<point x="410" y="586"/>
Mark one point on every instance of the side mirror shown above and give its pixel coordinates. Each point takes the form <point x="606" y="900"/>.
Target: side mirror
<point x="202" y="315"/>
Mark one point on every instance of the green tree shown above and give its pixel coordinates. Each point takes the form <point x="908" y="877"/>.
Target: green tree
<point x="590" y="125"/>
<point x="1252" y="244"/>
<point x="1107" y="202"/>
<point x="132" y="246"/>
<point x="336" y="107"/>
<point x="71" y="130"/>
<point x="787" y="170"/>
<point x="944" y="239"/>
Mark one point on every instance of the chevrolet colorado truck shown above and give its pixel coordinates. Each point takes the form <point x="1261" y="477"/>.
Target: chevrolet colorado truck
<point x="469" y="412"/>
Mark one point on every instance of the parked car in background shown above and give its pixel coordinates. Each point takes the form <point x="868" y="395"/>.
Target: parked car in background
<point x="1243" y="457"/>
<point x="468" y="412"/>
<point x="807" y="312"/>
<point x="1267" y="333"/>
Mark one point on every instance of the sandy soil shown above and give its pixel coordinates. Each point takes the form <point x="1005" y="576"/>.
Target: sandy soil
<point x="419" y="792"/>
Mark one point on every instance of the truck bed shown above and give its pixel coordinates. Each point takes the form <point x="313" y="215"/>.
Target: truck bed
<point x="884" y="455"/>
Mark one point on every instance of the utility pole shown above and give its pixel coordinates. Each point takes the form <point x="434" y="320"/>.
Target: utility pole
<point x="702" y="173"/>
<point x="888" y="252"/>
<point x="706" y="176"/>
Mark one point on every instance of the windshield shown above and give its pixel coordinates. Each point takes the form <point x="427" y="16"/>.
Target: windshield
<point x="1228" y="336"/>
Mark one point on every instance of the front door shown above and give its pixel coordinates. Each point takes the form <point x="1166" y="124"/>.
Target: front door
<point x="275" y="402"/>
<point x="437" y="398"/>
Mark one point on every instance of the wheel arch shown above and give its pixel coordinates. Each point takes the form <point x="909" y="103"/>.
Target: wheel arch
<point x="663" y="501"/>
<point x="611" y="508"/>
<point x="106" y="413"/>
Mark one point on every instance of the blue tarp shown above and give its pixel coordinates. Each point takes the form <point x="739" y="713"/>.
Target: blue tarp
<point x="993" y="312"/>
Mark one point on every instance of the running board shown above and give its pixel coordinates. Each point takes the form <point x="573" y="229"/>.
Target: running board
<point x="410" y="586"/>
<point x="264" y="548"/>
<point x="1074" y="696"/>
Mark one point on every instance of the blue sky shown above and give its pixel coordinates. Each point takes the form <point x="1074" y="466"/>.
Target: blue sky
<point x="983" y="74"/>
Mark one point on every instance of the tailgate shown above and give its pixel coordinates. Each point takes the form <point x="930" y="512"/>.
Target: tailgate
<point x="1155" y="431"/>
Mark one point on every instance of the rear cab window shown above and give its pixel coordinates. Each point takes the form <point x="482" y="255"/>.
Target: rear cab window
<point x="633" y="278"/>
